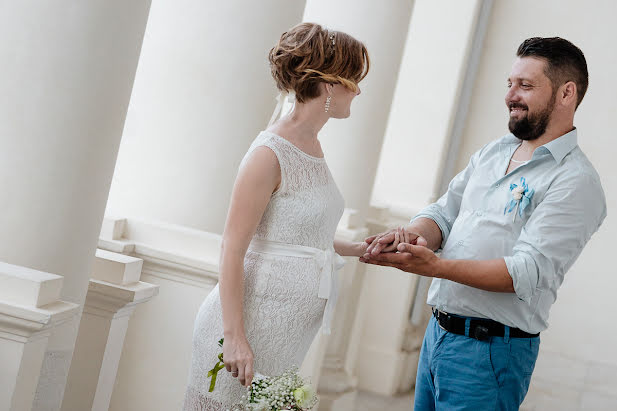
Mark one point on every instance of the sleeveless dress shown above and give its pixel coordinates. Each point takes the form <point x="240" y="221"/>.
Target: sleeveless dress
<point x="283" y="310"/>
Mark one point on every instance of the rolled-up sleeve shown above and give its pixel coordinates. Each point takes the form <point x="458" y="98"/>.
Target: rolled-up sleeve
<point x="446" y="209"/>
<point x="572" y="210"/>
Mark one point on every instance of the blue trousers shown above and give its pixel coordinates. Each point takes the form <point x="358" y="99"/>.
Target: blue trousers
<point x="456" y="372"/>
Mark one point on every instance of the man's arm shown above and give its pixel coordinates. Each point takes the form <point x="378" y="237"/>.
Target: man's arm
<point x="431" y="227"/>
<point x="429" y="230"/>
<point x="552" y="239"/>
<point x="489" y="275"/>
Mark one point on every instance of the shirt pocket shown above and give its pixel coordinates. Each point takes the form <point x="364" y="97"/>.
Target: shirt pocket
<point x="462" y="229"/>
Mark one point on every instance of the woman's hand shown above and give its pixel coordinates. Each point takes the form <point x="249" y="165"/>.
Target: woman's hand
<point x="360" y="248"/>
<point x="346" y="248"/>
<point x="388" y="241"/>
<point x="238" y="358"/>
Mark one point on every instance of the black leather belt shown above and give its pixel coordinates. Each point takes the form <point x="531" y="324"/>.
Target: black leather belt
<point x="480" y="329"/>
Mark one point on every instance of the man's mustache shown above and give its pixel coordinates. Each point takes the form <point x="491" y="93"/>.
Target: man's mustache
<point x="517" y="105"/>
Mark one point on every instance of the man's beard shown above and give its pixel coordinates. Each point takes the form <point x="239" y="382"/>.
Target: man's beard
<point x="531" y="126"/>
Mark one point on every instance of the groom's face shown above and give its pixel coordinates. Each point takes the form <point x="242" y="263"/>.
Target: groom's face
<point x="530" y="98"/>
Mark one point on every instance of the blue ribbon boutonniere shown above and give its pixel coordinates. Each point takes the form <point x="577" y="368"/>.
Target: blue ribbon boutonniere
<point x="521" y="198"/>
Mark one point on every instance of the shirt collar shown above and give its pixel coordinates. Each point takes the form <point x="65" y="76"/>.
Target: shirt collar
<point x="558" y="148"/>
<point x="561" y="146"/>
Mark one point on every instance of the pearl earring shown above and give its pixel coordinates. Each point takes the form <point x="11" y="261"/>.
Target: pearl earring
<point x="328" y="103"/>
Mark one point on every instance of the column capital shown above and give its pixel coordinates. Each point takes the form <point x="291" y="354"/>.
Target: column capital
<point x="114" y="289"/>
<point x="109" y="300"/>
<point x="30" y="302"/>
<point x="23" y="324"/>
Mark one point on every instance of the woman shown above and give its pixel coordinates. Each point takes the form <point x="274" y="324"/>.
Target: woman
<point x="277" y="257"/>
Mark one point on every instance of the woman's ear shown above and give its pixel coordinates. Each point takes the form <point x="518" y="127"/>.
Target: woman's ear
<point x="329" y="88"/>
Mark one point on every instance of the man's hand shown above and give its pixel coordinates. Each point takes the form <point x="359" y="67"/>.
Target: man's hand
<point x="388" y="242"/>
<point x="411" y="258"/>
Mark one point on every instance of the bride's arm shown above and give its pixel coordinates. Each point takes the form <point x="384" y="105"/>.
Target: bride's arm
<point x="256" y="181"/>
<point x="348" y="248"/>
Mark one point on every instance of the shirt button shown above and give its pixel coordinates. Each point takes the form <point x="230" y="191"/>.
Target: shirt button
<point x="460" y="242"/>
<point x="497" y="185"/>
<point x="479" y="213"/>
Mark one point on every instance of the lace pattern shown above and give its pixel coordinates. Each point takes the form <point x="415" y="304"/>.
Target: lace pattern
<point x="282" y="313"/>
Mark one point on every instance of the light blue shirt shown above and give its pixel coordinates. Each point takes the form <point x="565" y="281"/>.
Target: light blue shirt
<point x="539" y="242"/>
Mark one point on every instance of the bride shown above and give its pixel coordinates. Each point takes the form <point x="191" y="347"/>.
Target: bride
<point x="277" y="285"/>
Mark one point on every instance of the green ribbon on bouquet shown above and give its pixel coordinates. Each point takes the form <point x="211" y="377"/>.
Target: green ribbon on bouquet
<point x="214" y="371"/>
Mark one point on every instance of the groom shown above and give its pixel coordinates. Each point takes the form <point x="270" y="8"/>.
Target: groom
<point x="509" y="227"/>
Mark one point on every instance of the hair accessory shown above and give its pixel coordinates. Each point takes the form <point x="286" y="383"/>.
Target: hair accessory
<point x="332" y="39"/>
<point x="327" y="107"/>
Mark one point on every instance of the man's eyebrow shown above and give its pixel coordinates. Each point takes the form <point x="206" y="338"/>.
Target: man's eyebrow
<point x="526" y="79"/>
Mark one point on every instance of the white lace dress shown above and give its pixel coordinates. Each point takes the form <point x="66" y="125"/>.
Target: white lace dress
<point x="282" y="310"/>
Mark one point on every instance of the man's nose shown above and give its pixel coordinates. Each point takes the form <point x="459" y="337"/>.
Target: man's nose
<point x="512" y="95"/>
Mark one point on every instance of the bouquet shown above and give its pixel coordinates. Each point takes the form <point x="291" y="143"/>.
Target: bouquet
<point x="288" y="391"/>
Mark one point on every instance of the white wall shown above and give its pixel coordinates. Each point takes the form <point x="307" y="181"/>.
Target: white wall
<point x="202" y="93"/>
<point x="424" y="104"/>
<point x="155" y="360"/>
<point x="578" y="323"/>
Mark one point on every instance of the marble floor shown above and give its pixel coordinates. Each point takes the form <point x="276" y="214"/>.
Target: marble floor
<point x="565" y="384"/>
<point x="558" y="384"/>
<point x="367" y="401"/>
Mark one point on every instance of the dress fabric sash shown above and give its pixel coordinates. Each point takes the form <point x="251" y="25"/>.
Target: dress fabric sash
<point x="328" y="261"/>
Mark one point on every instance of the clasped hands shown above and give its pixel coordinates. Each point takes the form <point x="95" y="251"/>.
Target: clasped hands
<point x="404" y="249"/>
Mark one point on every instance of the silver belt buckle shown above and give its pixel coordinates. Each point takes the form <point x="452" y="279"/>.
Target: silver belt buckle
<point x="438" y="323"/>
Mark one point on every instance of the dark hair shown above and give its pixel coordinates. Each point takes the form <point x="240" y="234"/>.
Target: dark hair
<point x="309" y="54"/>
<point x="565" y="61"/>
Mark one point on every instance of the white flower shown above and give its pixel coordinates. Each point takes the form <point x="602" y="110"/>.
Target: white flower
<point x="517" y="192"/>
<point x="262" y="405"/>
<point x="280" y="392"/>
<point x="304" y="395"/>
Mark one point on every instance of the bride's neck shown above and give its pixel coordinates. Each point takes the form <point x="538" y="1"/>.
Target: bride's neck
<point x="305" y="121"/>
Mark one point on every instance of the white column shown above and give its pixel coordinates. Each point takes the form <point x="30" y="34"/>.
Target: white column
<point x="113" y="294"/>
<point x="430" y="102"/>
<point x="352" y="146"/>
<point x="29" y="310"/>
<point x="66" y="78"/>
<point x="428" y="112"/>
<point x="203" y="92"/>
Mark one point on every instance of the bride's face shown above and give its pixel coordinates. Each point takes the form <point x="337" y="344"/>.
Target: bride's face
<point x="340" y="104"/>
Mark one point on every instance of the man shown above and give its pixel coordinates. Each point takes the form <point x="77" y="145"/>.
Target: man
<point x="510" y="226"/>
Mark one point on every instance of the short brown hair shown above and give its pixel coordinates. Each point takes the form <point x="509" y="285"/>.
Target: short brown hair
<point x="565" y="62"/>
<point x="308" y="54"/>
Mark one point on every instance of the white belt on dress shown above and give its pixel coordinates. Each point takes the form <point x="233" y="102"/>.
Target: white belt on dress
<point x="328" y="261"/>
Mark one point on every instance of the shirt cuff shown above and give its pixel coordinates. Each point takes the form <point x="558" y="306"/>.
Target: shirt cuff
<point x="524" y="273"/>
<point x="439" y="220"/>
